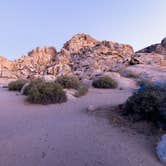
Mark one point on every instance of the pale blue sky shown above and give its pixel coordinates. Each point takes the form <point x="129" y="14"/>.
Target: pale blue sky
<point x="25" y="24"/>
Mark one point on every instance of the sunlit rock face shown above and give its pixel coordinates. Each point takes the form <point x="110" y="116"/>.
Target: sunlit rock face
<point x="6" y="68"/>
<point x="87" y="57"/>
<point x="81" y="55"/>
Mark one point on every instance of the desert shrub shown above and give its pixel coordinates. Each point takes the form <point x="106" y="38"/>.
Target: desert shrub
<point x="16" y="85"/>
<point x="105" y="82"/>
<point x="145" y="103"/>
<point x="33" y="83"/>
<point x="81" y="90"/>
<point x="46" y="93"/>
<point x="68" y="82"/>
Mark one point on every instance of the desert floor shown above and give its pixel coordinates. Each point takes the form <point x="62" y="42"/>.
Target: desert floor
<point x="66" y="135"/>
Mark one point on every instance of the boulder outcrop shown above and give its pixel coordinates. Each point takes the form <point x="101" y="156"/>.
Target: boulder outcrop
<point x="81" y="55"/>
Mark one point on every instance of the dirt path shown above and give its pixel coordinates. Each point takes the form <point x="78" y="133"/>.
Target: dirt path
<point x="64" y="135"/>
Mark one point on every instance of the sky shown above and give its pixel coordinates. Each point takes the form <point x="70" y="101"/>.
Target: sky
<point x="26" y="24"/>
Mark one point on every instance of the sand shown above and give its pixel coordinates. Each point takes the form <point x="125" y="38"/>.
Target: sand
<point x="65" y="135"/>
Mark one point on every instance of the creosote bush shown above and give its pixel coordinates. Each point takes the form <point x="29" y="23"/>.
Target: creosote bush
<point x="46" y="93"/>
<point x="105" y="83"/>
<point x="68" y="82"/>
<point x="147" y="104"/>
<point x="16" y="85"/>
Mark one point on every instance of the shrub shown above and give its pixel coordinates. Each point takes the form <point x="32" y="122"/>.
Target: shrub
<point x="105" y="82"/>
<point x="145" y="103"/>
<point x="68" y="82"/>
<point x="16" y="85"/>
<point x="35" y="82"/>
<point x="81" y="90"/>
<point x="46" y="93"/>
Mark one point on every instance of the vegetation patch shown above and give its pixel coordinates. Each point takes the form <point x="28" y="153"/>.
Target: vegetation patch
<point x="16" y="85"/>
<point x="33" y="83"/>
<point x="148" y="104"/>
<point x="105" y="83"/>
<point x="46" y="93"/>
<point x="68" y="82"/>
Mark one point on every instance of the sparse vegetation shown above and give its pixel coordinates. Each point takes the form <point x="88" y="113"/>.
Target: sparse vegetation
<point x="16" y="85"/>
<point x="105" y="83"/>
<point x="46" y="93"/>
<point x="68" y="82"/>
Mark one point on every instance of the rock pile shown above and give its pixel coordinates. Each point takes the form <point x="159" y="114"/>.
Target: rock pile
<point x="35" y="63"/>
<point x="87" y="57"/>
<point x="82" y="55"/>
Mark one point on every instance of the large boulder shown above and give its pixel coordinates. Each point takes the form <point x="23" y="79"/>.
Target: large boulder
<point x="161" y="149"/>
<point x="163" y="43"/>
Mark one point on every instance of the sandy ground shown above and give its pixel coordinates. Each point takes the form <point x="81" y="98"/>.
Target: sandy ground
<point x="65" y="135"/>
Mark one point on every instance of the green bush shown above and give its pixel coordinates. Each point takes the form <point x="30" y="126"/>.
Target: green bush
<point x="68" y="82"/>
<point x="33" y="83"/>
<point x="105" y="82"/>
<point x="145" y="104"/>
<point x="46" y="93"/>
<point x="16" y="85"/>
<point x="81" y="90"/>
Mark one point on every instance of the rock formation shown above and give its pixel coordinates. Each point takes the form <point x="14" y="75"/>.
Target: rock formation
<point x="82" y="55"/>
<point x="86" y="57"/>
<point x="35" y="63"/>
<point x="154" y="54"/>
<point x="159" y="48"/>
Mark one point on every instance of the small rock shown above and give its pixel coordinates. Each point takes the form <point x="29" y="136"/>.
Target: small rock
<point x="49" y="78"/>
<point x="91" y="108"/>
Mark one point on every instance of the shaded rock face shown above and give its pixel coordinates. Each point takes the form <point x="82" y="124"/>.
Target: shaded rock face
<point x="81" y="55"/>
<point x="154" y="54"/>
<point x="159" y="48"/>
